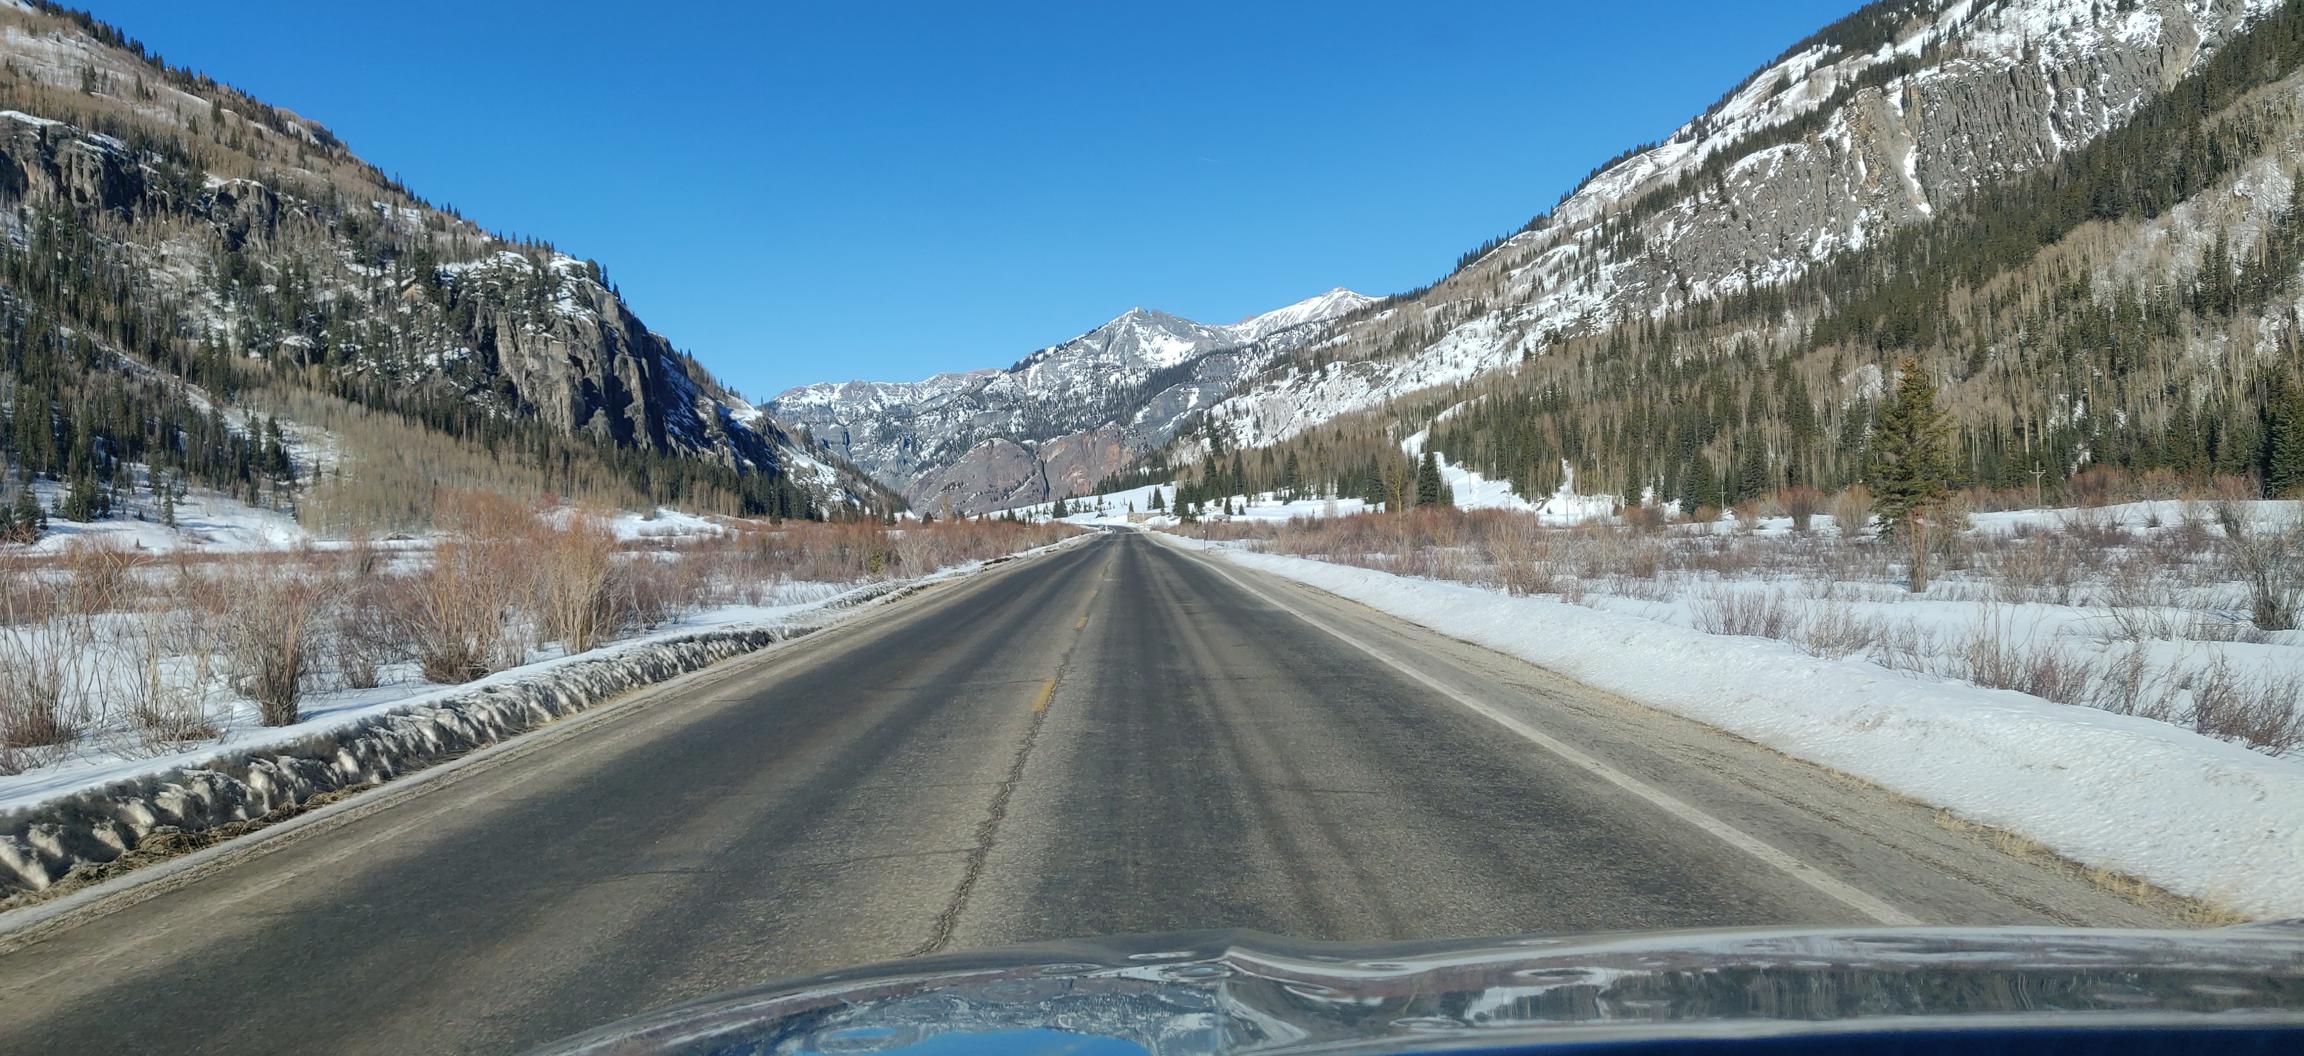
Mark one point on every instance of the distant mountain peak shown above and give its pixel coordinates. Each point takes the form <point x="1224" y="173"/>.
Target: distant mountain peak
<point x="1334" y="304"/>
<point x="1060" y="418"/>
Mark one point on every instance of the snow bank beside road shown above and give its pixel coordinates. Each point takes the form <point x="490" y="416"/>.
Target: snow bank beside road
<point x="42" y="844"/>
<point x="2189" y="813"/>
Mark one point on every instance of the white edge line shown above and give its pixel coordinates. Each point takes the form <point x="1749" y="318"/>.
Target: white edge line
<point x="1768" y="853"/>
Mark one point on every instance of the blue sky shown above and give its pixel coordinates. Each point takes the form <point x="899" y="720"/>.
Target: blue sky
<point x="824" y="191"/>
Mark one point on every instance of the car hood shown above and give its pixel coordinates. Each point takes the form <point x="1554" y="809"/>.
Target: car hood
<point x="1243" y="992"/>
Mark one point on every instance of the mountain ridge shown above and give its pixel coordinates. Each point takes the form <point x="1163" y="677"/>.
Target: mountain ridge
<point x="1057" y="420"/>
<point x="2084" y="222"/>
<point x="1822" y="151"/>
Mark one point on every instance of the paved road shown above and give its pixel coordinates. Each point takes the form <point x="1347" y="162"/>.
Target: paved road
<point x="1120" y="737"/>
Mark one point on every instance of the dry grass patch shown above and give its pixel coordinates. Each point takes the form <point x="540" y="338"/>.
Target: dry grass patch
<point x="2195" y="912"/>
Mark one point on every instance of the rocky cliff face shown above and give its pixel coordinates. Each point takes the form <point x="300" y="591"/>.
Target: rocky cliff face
<point x="254" y="233"/>
<point x="573" y="355"/>
<point x="1059" y="420"/>
<point x="1874" y="124"/>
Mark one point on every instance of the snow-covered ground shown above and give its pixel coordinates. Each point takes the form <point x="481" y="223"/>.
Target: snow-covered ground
<point x="214" y="523"/>
<point x="1135" y="506"/>
<point x="1470" y="490"/>
<point x="2090" y="679"/>
<point x="205" y="520"/>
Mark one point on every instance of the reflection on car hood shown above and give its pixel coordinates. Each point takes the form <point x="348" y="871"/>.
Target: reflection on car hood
<point x="1236" y="992"/>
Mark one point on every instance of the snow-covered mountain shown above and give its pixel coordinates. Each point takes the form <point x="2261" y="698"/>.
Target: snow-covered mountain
<point x="1877" y="122"/>
<point x="1061" y="418"/>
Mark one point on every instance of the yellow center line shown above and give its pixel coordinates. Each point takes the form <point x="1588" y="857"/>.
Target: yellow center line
<point x="1086" y="609"/>
<point x="1048" y="691"/>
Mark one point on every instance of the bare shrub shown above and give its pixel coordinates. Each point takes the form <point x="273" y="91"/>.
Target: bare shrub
<point x="917" y="549"/>
<point x="1751" y="614"/>
<point x="2159" y="484"/>
<point x="45" y="656"/>
<point x="2269" y="561"/>
<point x="2095" y="529"/>
<point x="1994" y="658"/>
<point x="1801" y="503"/>
<point x="41" y="674"/>
<point x="1720" y="555"/>
<point x="165" y="663"/>
<point x="2098" y="485"/>
<point x="97" y="574"/>
<point x="1747" y="516"/>
<point x="2138" y="601"/>
<point x="1904" y="646"/>
<point x="2227" y="488"/>
<point x="1436" y="562"/>
<point x="2213" y="627"/>
<point x="271" y="634"/>
<point x="579" y="596"/>
<point x="2035" y="568"/>
<point x="1522" y="553"/>
<point x="359" y="555"/>
<point x="1835" y="631"/>
<point x="2191" y="534"/>
<point x="367" y="639"/>
<point x="1647" y="519"/>
<point x="2131" y="686"/>
<point x="656" y="590"/>
<point x="1643" y="562"/>
<point x="1852" y="511"/>
<point x="2264" y="713"/>
<point x="456" y="614"/>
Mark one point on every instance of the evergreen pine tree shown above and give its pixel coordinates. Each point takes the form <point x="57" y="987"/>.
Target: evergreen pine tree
<point x="1429" y="483"/>
<point x="2284" y="439"/>
<point x="275" y="451"/>
<point x="84" y="502"/>
<point x="1909" y="461"/>
<point x="30" y="518"/>
<point x="1752" y="472"/>
<point x="1701" y="484"/>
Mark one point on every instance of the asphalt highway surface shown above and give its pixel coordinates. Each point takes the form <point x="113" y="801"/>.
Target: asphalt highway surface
<point x="1118" y="737"/>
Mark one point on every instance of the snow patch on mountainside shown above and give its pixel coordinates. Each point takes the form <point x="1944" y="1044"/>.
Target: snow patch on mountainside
<point x="1334" y="304"/>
